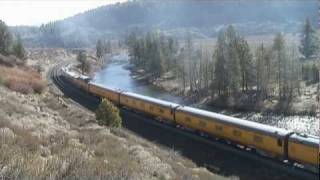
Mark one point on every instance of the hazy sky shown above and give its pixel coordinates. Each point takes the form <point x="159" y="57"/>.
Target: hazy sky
<point x="36" y="12"/>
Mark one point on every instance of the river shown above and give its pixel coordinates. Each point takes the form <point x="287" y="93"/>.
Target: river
<point x="117" y="75"/>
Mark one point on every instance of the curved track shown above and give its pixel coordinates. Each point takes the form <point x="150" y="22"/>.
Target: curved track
<point x="217" y="156"/>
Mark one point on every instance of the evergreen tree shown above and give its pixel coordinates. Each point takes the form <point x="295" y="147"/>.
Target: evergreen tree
<point x="261" y="71"/>
<point x="220" y="70"/>
<point x="246" y="64"/>
<point x="99" y="49"/>
<point x="293" y="76"/>
<point x="18" y="49"/>
<point x="108" y="47"/>
<point x="315" y="74"/>
<point x="107" y="114"/>
<point x="232" y="57"/>
<point x="309" y="40"/>
<point x="5" y="39"/>
<point x="85" y="66"/>
<point x="280" y="58"/>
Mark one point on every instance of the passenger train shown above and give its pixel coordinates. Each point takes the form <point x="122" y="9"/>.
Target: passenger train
<point x="274" y="142"/>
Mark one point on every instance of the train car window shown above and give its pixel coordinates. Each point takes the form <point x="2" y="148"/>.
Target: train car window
<point x="188" y="119"/>
<point x="151" y="108"/>
<point x="236" y="132"/>
<point x="257" y="139"/>
<point x="219" y="128"/>
<point x="161" y="110"/>
<point x="202" y="124"/>
<point x="279" y="142"/>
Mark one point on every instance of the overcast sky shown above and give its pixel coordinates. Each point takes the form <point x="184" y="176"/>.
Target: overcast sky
<point x="36" y="12"/>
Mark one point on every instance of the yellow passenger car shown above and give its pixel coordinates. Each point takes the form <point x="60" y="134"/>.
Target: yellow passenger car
<point x="108" y="93"/>
<point x="269" y="139"/>
<point x="81" y="83"/>
<point x="304" y="149"/>
<point x="79" y="80"/>
<point x="151" y="106"/>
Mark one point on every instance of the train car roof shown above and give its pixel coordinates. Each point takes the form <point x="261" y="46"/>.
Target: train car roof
<point x="75" y="74"/>
<point x="104" y="87"/>
<point x="254" y="126"/>
<point x="151" y="99"/>
<point x="305" y="139"/>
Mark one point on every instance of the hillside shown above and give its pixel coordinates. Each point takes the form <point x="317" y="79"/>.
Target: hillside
<point x="203" y="19"/>
<point x="48" y="136"/>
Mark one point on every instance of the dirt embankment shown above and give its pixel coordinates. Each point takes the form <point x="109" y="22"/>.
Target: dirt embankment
<point x="47" y="136"/>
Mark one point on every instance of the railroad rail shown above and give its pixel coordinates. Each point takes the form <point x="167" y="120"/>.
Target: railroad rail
<point x="91" y="102"/>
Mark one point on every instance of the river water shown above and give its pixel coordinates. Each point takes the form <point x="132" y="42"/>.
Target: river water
<point x="117" y="75"/>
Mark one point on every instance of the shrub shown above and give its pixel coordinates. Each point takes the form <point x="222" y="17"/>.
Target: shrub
<point x="38" y="86"/>
<point x="107" y="114"/>
<point x="19" y="87"/>
<point x="22" y="79"/>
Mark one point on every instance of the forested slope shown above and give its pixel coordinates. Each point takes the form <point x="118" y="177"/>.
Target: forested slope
<point x="201" y="18"/>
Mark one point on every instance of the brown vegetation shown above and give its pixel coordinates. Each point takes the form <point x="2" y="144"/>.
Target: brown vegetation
<point x="22" y="79"/>
<point x="44" y="137"/>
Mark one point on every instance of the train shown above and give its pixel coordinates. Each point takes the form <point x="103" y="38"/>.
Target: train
<point x="285" y="145"/>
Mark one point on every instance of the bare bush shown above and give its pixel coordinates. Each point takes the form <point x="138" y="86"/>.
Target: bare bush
<point x="23" y="79"/>
<point x="19" y="87"/>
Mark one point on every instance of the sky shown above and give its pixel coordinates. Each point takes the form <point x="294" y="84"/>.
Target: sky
<point x="37" y="12"/>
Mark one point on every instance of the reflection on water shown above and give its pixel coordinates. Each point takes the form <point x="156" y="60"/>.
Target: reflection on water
<point x="116" y="75"/>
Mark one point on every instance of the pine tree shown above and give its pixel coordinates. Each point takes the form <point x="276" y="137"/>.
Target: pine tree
<point x="108" y="47"/>
<point x="5" y="39"/>
<point x="309" y="41"/>
<point x="107" y="114"/>
<point x="246" y="64"/>
<point x="189" y="58"/>
<point x="99" y="49"/>
<point x="232" y="57"/>
<point x="294" y="76"/>
<point x="18" y="49"/>
<point x="85" y="66"/>
<point x="262" y="82"/>
<point x="280" y="58"/>
<point x="220" y="71"/>
<point x="315" y="74"/>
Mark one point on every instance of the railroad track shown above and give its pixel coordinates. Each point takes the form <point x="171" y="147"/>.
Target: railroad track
<point x="197" y="144"/>
<point x="83" y="98"/>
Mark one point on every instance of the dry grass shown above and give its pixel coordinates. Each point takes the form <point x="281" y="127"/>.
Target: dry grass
<point x="22" y="79"/>
<point x="60" y="157"/>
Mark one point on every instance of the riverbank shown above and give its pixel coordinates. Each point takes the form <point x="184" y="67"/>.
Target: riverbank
<point x="306" y="104"/>
<point x="302" y="120"/>
<point x="120" y="75"/>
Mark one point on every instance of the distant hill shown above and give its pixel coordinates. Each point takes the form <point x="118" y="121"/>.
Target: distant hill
<point x="201" y="18"/>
